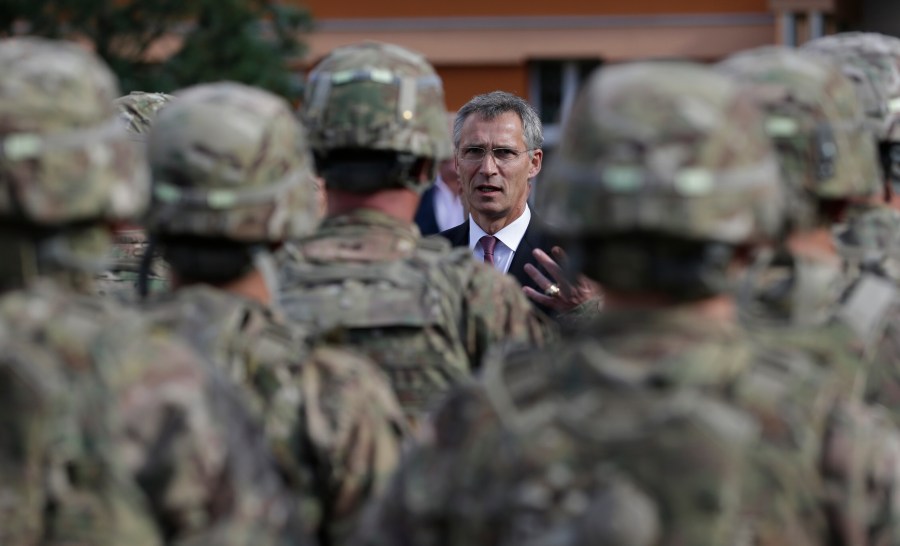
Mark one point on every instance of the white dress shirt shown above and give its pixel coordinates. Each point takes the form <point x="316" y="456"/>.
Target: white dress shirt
<point x="507" y="243"/>
<point x="448" y="209"/>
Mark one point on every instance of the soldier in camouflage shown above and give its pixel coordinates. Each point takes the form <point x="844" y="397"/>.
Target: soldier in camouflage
<point x="130" y="243"/>
<point x="425" y="313"/>
<point x="232" y="178"/>
<point x="800" y="306"/>
<point x="869" y="238"/>
<point x="644" y="428"/>
<point x="112" y="433"/>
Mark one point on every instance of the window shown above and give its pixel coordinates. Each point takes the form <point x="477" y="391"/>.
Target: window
<point x="553" y="85"/>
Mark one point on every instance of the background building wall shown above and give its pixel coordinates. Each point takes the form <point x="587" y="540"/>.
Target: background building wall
<point x="539" y="49"/>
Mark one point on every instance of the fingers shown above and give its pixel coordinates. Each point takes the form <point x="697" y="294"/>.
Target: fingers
<point x="549" y="265"/>
<point x="539" y="278"/>
<point x="537" y="297"/>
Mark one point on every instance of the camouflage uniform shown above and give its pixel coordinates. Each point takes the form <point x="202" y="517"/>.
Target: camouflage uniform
<point x="806" y="310"/>
<point x="137" y="110"/>
<point x="644" y="429"/>
<point x="868" y="238"/>
<point x="425" y="313"/>
<point x="332" y="419"/>
<point x="112" y="434"/>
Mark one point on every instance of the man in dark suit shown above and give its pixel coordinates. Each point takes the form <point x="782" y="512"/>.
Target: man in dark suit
<point x="441" y="206"/>
<point x="498" y="138"/>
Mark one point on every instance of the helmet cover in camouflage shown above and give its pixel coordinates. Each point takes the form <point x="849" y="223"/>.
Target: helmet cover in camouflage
<point x="138" y="109"/>
<point x="230" y="162"/>
<point x="817" y="124"/>
<point x="673" y="149"/>
<point x="64" y="155"/>
<point x="872" y="62"/>
<point x="375" y="96"/>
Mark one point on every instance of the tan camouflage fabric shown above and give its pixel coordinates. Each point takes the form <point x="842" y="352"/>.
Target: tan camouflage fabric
<point x="230" y="161"/>
<point x="138" y="110"/>
<point x="425" y="313"/>
<point x="64" y="155"/>
<point x="870" y="241"/>
<point x="874" y="59"/>
<point x="669" y="148"/>
<point x="377" y="96"/>
<point x="98" y="407"/>
<point x="121" y="280"/>
<point x="657" y="428"/>
<point x="809" y="320"/>
<point x="330" y="415"/>
<point x="817" y="124"/>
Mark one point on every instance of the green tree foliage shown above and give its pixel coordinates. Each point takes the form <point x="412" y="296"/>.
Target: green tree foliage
<point x="250" y="41"/>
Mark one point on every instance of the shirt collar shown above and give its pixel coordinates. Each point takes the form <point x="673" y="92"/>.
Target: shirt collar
<point x="510" y="235"/>
<point x="443" y="188"/>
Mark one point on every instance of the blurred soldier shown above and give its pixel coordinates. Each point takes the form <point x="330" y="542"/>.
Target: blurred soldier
<point x="869" y="242"/>
<point x="232" y="178"/>
<point x="96" y="404"/>
<point x="137" y="110"/>
<point x="630" y="433"/>
<point x="425" y="313"/>
<point x="800" y="306"/>
<point x="870" y="237"/>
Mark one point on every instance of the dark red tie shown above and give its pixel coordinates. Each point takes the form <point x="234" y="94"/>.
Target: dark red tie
<point x="488" y="242"/>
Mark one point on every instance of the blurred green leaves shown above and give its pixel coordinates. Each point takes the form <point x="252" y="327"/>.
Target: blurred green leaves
<point x="164" y="45"/>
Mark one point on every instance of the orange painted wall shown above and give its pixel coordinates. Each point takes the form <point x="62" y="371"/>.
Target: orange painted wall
<point x="327" y="9"/>
<point x="461" y="83"/>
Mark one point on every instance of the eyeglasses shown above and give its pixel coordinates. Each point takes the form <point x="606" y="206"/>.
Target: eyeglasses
<point x="475" y="154"/>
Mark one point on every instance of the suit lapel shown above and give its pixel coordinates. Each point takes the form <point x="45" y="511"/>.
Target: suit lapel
<point x="523" y="255"/>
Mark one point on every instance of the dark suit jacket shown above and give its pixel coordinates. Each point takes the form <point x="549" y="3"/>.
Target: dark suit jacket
<point x="426" y="218"/>
<point x="536" y="236"/>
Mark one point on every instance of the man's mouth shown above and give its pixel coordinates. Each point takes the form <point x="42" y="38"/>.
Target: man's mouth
<point x="485" y="188"/>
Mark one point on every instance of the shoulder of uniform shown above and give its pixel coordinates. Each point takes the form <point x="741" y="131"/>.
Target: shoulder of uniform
<point x="867" y="306"/>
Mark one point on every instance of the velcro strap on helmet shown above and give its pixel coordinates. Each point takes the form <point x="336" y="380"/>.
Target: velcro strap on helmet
<point x="323" y="82"/>
<point x="19" y="146"/>
<point x="224" y="198"/>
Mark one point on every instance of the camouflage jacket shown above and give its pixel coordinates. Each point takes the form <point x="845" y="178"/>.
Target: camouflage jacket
<point x="330" y="416"/>
<point x="426" y="313"/>
<point x="662" y="421"/>
<point x="575" y="445"/>
<point x="116" y="435"/>
<point x="822" y="333"/>
<point x="870" y="240"/>
<point x="121" y="279"/>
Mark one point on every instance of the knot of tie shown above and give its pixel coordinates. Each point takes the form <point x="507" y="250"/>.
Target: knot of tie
<point x="488" y="242"/>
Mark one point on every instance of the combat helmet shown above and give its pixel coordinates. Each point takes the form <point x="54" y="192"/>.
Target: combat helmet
<point x="375" y="97"/>
<point x="64" y="154"/>
<point x="817" y="124"/>
<point x="230" y="162"/>
<point x="880" y="56"/>
<point x="871" y="62"/>
<point x="138" y="109"/>
<point x="662" y="164"/>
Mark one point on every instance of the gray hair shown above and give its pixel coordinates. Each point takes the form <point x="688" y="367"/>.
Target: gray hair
<point x="496" y="103"/>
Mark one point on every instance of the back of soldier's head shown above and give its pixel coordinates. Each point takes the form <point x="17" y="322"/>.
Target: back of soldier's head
<point x="817" y="123"/>
<point x="376" y="118"/>
<point x="231" y="169"/>
<point x="65" y="157"/>
<point x="663" y="171"/>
